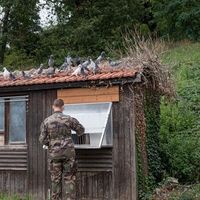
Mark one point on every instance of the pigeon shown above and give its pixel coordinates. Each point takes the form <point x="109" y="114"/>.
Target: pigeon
<point x="77" y="71"/>
<point x="114" y="63"/>
<point x="64" y="66"/>
<point x="80" y="70"/>
<point x="86" y="64"/>
<point x="36" y="72"/>
<point x="93" y="66"/>
<point x="8" y="75"/>
<point x="40" y="69"/>
<point x="50" y="71"/>
<point x="100" y="58"/>
<point x="25" y="75"/>
<point x="77" y="61"/>
<point x="51" y="61"/>
<point x="69" y="60"/>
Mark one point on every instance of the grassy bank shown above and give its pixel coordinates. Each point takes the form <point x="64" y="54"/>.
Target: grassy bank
<point x="180" y="120"/>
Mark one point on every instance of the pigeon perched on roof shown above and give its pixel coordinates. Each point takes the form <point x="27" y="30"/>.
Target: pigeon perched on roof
<point x="86" y="64"/>
<point x="69" y="60"/>
<point x="93" y="66"/>
<point x="100" y="58"/>
<point x="80" y="70"/>
<point x="50" y="71"/>
<point x="36" y="72"/>
<point x="25" y="75"/>
<point x="77" y="71"/>
<point x="77" y="61"/>
<point x="40" y="69"/>
<point x="51" y="61"/>
<point x="65" y="65"/>
<point x="8" y="75"/>
<point x="114" y="63"/>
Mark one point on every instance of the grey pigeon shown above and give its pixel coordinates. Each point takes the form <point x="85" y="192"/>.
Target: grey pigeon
<point x="8" y="75"/>
<point x="25" y="75"/>
<point x="50" y="71"/>
<point x="94" y="67"/>
<point x="77" y="61"/>
<point x="51" y="61"/>
<point x="83" y="70"/>
<point x="80" y="70"/>
<point x="69" y="60"/>
<point x="114" y="63"/>
<point x="86" y="64"/>
<point x="100" y="58"/>
<point x="40" y="69"/>
<point x="64" y="66"/>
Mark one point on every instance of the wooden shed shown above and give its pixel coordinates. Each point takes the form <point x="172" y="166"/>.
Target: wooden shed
<point x="104" y="103"/>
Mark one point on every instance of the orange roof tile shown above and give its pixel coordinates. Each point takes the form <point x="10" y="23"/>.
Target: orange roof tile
<point x="66" y="78"/>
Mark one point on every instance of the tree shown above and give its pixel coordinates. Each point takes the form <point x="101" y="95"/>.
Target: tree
<point x="179" y="19"/>
<point x="19" y="26"/>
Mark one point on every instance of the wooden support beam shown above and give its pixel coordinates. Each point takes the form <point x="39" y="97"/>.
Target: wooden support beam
<point x="89" y="95"/>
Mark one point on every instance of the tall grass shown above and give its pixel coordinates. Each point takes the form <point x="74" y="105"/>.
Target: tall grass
<point x="13" y="197"/>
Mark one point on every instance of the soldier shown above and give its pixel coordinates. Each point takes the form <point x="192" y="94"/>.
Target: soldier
<point x="56" y="135"/>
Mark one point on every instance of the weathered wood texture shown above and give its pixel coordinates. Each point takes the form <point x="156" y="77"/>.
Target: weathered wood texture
<point x="94" y="185"/>
<point x="89" y="95"/>
<point x="124" y="167"/>
<point x="40" y="104"/>
<point x="13" y="182"/>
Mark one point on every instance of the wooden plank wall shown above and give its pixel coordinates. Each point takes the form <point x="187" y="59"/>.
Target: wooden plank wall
<point x="13" y="182"/>
<point x="94" y="178"/>
<point x="124" y="167"/>
<point x="112" y="173"/>
<point x="89" y="95"/>
<point x="39" y="108"/>
<point x="94" y="185"/>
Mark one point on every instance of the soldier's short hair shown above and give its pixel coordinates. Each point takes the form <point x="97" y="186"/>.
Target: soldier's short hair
<point x="58" y="103"/>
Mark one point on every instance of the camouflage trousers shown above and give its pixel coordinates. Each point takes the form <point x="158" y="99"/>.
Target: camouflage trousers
<point x="63" y="169"/>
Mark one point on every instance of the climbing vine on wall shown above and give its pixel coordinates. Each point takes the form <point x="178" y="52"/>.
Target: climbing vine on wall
<point x="147" y="111"/>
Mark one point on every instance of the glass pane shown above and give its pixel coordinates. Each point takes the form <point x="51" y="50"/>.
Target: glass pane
<point x="2" y="109"/>
<point x="93" y="117"/>
<point x="17" y="124"/>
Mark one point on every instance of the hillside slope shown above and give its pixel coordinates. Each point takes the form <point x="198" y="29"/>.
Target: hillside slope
<point x="180" y="120"/>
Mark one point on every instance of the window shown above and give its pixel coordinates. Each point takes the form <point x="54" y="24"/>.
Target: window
<point x="13" y="119"/>
<point x="97" y="120"/>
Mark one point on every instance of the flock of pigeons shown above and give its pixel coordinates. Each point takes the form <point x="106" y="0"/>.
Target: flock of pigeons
<point x="76" y="66"/>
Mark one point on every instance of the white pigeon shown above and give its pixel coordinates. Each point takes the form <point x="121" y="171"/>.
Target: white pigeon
<point x="77" y="71"/>
<point x="6" y="74"/>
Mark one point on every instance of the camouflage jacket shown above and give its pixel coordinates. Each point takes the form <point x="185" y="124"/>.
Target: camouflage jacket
<point x="56" y="134"/>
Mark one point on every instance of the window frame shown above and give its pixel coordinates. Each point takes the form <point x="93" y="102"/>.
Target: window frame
<point x="6" y="100"/>
<point x="3" y="130"/>
<point x="100" y="144"/>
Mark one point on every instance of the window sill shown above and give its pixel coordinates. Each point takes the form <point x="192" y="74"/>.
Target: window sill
<point x="12" y="147"/>
<point x="92" y="147"/>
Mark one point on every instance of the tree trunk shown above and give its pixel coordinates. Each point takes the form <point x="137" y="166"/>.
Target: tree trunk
<point x="4" y="38"/>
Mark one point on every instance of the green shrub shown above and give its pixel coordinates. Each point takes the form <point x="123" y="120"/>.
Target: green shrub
<point x="180" y="120"/>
